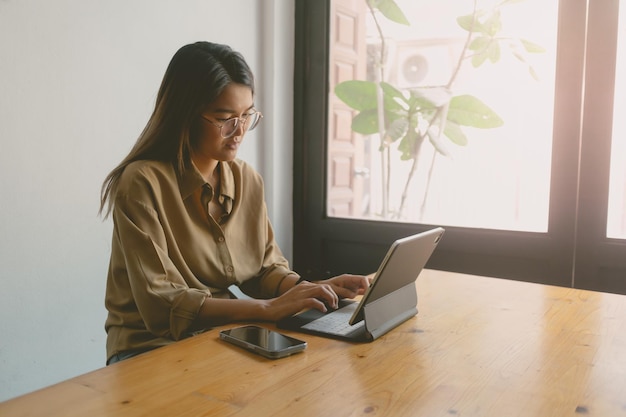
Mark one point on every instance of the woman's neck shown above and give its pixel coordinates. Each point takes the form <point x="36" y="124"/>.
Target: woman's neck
<point x="208" y="169"/>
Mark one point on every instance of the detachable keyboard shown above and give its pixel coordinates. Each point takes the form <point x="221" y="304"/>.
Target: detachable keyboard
<point x="336" y="322"/>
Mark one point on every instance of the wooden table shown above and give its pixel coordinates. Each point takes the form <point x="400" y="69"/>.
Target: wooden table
<point x="478" y="347"/>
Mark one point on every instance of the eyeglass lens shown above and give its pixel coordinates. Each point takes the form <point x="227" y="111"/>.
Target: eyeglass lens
<point x="250" y="121"/>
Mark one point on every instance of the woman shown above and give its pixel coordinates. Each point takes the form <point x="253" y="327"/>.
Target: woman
<point x="190" y="219"/>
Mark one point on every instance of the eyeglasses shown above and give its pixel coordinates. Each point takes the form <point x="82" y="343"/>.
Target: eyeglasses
<point x="229" y="127"/>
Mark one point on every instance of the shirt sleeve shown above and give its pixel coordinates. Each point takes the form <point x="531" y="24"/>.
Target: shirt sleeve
<point x="165" y="302"/>
<point x="274" y="268"/>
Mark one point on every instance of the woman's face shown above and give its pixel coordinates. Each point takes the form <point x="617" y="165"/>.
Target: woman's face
<point x="235" y="101"/>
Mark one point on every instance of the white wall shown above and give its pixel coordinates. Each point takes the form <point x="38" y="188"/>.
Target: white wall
<point x="78" y="80"/>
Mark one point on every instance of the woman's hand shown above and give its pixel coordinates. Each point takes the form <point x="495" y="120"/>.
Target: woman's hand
<point x="347" y="285"/>
<point x="303" y="296"/>
<point x="320" y="295"/>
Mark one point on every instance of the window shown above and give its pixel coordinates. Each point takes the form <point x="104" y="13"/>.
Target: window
<point x="527" y="200"/>
<point x="616" y="225"/>
<point x="493" y="174"/>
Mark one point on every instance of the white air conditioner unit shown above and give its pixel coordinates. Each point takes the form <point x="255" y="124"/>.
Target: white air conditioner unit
<point x="422" y="63"/>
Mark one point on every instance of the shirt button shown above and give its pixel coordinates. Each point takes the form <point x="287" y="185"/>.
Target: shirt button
<point x="220" y="239"/>
<point x="230" y="268"/>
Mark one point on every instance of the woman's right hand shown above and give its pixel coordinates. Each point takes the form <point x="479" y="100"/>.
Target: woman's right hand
<point x="303" y="296"/>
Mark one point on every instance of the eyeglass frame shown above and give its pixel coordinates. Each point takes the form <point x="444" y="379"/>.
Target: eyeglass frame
<point x="242" y="119"/>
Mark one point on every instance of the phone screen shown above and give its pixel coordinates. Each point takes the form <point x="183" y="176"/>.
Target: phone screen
<point x="263" y="341"/>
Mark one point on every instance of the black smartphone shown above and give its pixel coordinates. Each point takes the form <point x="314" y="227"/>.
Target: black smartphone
<point x="262" y="341"/>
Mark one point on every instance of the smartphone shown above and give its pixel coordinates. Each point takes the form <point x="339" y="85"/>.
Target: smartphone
<point x="263" y="341"/>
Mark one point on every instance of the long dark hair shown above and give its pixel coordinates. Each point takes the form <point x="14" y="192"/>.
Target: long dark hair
<point x="195" y="77"/>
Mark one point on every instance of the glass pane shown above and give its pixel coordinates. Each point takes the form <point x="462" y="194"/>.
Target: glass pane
<point x="475" y="89"/>
<point x="616" y="225"/>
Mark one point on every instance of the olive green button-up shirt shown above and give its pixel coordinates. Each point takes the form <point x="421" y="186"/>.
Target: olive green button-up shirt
<point x="168" y="254"/>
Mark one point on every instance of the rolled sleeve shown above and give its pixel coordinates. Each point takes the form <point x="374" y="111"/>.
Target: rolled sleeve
<point x="270" y="283"/>
<point x="184" y="311"/>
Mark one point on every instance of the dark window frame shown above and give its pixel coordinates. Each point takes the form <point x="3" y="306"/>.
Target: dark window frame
<point x="325" y="246"/>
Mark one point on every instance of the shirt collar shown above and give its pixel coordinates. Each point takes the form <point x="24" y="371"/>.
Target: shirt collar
<point x="191" y="180"/>
<point x="227" y="187"/>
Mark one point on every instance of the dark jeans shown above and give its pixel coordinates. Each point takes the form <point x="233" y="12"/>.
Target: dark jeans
<point x="118" y="357"/>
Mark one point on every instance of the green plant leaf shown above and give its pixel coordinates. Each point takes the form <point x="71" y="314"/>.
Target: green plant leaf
<point x="533" y="73"/>
<point x="519" y="56"/>
<point x="435" y="140"/>
<point x="409" y="144"/>
<point x="531" y="47"/>
<point x="430" y="97"/>
<point x="419" y="102"/>
<point x="480" y="43"/>
<point x="493" y="24"/>
<point x="505" y="2"/>
<point x="393" y="99"/>
<point x="390" y="10"/>
<point x="359" y="95"/>
<point x="494" y="52"/>
<point x="467" y="110"/>
<point x="455" y="134"/>
<point x="470" y="24"/>
<point x="394" y="106"/>
<point x="397" y="128"/>
<point x="479" y="58"/>
<point x="392" y="92"/>
<point x="366" y="122"/>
